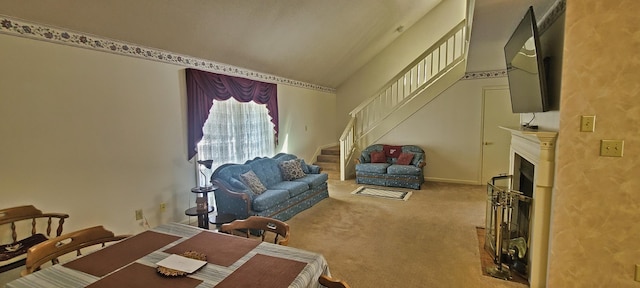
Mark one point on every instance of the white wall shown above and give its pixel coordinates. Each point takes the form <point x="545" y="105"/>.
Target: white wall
<point x="449" y="129"/>
<point x="97" y="135"/>
<point x="307" y="121"/>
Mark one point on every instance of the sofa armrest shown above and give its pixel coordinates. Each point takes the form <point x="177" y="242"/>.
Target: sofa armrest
<point x="421" y="164"/>
<point x="229" y="201"/>
<point x="314" y="169"/>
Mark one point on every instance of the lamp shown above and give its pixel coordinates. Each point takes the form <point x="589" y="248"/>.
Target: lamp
<point x="205" y="170"/>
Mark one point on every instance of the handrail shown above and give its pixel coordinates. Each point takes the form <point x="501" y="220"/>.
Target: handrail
<point x="412" y="65"/>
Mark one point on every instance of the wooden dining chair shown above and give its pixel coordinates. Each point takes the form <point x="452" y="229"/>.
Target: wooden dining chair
<point x="51" y="249"/>
<point x="278" y="229"/>
<point x="27" y="226"/>
<point x="329" y="282"/>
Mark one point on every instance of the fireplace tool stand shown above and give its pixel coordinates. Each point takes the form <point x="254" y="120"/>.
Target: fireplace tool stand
<point x="502" y="215"/>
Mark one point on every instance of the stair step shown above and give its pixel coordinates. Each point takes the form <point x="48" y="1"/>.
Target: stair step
<point x="329" y="158"/>
<point x="335" y="150"/>
<point x="328" y="166"/>
<point x="334" y="175"/>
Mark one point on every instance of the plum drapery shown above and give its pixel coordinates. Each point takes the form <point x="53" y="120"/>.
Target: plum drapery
<point x="204" y="87"/>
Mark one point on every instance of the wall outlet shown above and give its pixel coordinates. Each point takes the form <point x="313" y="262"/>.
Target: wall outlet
<point x="139" y="215"/>
<point x="163" y="207"/>
<point x="611" y="148"/>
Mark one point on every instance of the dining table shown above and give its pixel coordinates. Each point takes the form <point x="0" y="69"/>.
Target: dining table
<point x="231" y="261"/>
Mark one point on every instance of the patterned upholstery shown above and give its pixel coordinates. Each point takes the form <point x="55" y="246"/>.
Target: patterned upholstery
<point x="390" y="173"/>
<point x="282" y="199"/>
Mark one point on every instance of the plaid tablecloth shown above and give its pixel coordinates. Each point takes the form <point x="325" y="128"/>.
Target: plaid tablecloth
<point x="310" y="265"/>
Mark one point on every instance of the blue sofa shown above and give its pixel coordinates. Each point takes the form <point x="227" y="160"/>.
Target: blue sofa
<point x="388" y="171"/>
<point x="282" y="199"/>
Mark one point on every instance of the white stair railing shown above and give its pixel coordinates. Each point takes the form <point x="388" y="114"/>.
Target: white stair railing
<point x="446" y="53"/>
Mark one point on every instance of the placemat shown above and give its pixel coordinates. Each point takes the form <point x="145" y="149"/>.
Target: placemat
<point x="265" y="272"/>
<point x="110" y="258"/>
<point x="221" y="249"/>
<point x="139" y="275"/>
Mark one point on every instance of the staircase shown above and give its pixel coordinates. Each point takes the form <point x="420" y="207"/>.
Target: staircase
<point x="329" y="160"/>
<point x="438" y="68"/>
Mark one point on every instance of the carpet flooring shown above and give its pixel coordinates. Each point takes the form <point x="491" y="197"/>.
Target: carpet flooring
<point x="429" y="241"/>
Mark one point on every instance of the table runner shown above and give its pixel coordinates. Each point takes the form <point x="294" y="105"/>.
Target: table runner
<point x="265" y="272"/>
<point x="221" y="249"/>
<point x="110" y="258"/>
<point x="139" y="275"/>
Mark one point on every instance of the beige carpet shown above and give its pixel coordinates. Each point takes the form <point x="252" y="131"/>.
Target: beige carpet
<point x="428" y="241"/>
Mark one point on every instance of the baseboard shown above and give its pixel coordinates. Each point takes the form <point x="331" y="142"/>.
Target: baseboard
<point x="455" y="181"/>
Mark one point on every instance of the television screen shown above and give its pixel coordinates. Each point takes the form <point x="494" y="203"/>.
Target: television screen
<point x="525" y="67"/>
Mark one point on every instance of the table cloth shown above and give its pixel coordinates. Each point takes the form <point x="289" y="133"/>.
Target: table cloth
<point x="232" y="262"/>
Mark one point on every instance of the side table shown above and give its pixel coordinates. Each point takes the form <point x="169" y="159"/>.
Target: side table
<point x="203" y="214"/>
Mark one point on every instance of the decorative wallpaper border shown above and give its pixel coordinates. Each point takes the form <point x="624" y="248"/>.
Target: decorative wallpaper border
<point x="21" y="28"/>
<point x="548" y="19"/>
<point x="485" y="74"/>
<point x="552" y="15"/>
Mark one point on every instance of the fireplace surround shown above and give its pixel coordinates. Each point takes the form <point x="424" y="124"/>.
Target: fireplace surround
<point x="536" y="147"/>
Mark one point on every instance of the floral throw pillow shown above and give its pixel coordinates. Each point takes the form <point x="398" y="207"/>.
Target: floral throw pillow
<point x="378" y="157"/>
<point x="291" y="169"/>
<point x="253" y="182"/>
<point x="404" y="159"/>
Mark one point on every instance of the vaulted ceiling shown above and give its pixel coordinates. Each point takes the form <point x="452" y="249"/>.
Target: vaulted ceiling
<point x="318" y="42"/>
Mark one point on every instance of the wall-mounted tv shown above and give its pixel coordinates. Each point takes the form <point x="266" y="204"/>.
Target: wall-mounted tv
<point x="526" y="67"/>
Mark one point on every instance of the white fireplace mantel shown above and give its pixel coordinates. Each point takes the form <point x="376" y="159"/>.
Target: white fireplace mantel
<point x="537" y="147"/>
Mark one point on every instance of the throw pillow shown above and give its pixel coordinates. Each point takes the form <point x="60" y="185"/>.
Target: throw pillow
<point x="291" y="169"/>
<point x="404" y="158"/>
<point x="253" y="182"/>
<point x="392" y="151"/>
<point x="378" y="157"/>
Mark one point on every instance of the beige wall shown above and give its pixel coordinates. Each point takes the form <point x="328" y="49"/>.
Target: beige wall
<point x="595" y="232"/>
<point x="98" y="135"/>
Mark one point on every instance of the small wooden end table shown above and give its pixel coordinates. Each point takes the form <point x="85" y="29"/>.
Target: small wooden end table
<point x="203" y="215"/>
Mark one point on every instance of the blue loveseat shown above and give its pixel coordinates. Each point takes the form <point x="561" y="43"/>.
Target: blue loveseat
<point x="282" y="198"/>
<point x="393" y="166"/>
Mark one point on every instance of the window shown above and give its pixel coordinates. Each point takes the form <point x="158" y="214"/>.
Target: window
<point x="235" y="132"/>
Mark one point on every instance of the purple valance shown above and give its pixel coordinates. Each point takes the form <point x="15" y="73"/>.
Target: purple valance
<point x="204" y="87"/>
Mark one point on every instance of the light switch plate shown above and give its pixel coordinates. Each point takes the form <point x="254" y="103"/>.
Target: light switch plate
<point x="587" y="123"/>
<point x="637" y="277"/>
<point x="611" y="148"/>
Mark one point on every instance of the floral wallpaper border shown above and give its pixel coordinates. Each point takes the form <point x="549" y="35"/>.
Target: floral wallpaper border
<point x="485" y="74"/>
<point x="26" y="29"/>
<point x="548" y="19"/>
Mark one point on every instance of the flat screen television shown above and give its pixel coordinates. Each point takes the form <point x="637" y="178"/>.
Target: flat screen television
<point x="526" y="67"/>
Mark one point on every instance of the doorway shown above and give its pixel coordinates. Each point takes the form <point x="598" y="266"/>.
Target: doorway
<point x="496" y="142"/>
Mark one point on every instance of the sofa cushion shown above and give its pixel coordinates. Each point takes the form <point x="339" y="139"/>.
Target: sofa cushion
<point x="314" y="180"/>
<point x="404" y="159"/>
<point x="253" y="182"/>
<point x="294" y="187"/>
<point x="291" y="169"/>
<point x="373" y="167"/>
<point x="404" y="170"/>
<point x="392" y="151"/>
<point x="378" y="157"/>
<point x="269" y="199"/>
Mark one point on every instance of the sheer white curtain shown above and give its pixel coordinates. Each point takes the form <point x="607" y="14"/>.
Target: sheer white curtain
<point x="236" y="132"/>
